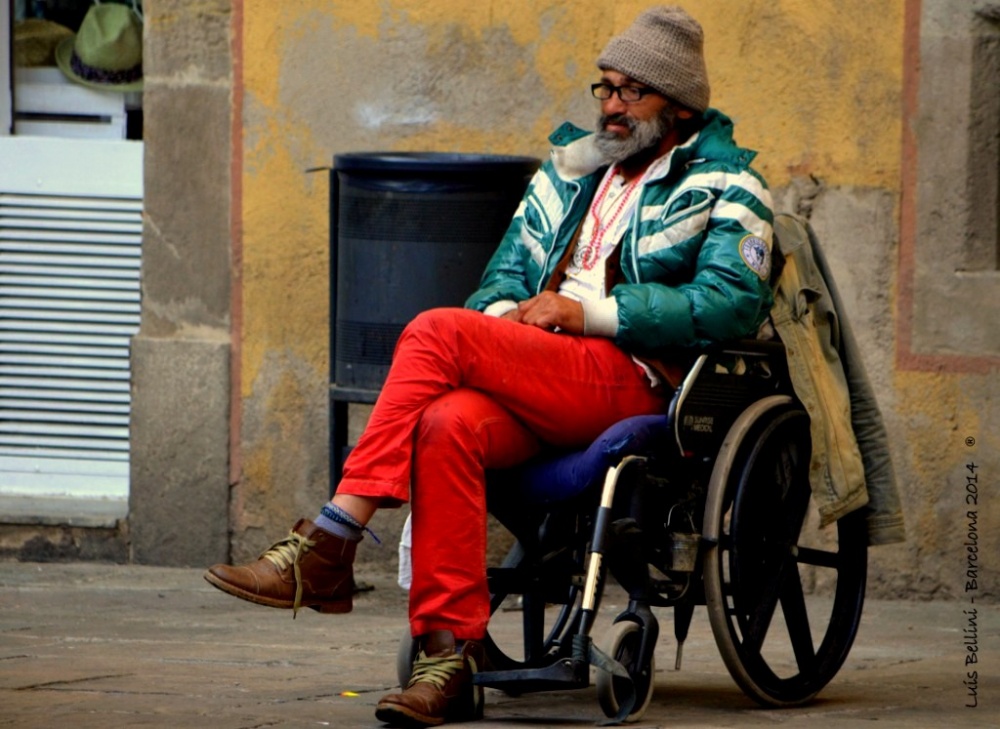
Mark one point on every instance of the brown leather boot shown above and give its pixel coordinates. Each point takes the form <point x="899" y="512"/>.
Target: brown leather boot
<point x="308" y="568"/>
<point x="440" y="688"/>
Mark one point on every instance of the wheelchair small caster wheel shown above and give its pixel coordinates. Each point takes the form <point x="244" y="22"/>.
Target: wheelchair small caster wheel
<point x="622" y="642"/>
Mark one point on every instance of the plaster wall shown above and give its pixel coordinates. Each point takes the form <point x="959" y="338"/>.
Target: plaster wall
<point x="820" y="99"/>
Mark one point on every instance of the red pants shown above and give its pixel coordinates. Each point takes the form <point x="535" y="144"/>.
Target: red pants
<point x="468" y="392"/>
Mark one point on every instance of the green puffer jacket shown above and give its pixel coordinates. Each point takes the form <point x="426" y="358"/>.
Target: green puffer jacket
<point x="695" y="258"/>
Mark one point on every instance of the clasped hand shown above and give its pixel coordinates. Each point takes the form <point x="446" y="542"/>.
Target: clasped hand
<point x="549" y="311"/>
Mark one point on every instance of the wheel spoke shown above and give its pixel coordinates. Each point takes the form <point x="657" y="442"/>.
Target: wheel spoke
<point x="793" y="605"/>
<point x="819" y="558"/>
<point x="759" y="620"/>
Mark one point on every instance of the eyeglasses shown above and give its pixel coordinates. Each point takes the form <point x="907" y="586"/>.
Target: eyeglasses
<point x="628" y="94"/>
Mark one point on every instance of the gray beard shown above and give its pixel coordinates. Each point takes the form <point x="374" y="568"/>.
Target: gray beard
<point x="643" y="135"/>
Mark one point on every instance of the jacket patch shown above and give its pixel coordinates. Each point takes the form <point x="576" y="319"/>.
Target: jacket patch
<point x="757" y="255"/>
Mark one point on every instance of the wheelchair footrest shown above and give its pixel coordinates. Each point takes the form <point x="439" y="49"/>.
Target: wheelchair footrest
<point x="563" y="674"/>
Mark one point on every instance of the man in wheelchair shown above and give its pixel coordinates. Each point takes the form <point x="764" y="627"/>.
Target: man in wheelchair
<point x="649" y="235"/>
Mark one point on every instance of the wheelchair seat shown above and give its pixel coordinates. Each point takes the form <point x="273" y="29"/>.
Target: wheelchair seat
<point x="562" y="477"/>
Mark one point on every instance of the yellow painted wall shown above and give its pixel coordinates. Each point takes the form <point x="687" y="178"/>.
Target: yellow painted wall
<point x="807" y="89"/>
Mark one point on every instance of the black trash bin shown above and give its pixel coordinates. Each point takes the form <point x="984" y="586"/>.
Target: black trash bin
<point x="410" y="232"/>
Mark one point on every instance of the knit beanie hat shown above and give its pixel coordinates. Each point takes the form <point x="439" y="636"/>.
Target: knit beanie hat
<point x="663" y="48"/>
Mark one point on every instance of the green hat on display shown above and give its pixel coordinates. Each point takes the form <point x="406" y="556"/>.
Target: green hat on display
<point x="106" y="53"/>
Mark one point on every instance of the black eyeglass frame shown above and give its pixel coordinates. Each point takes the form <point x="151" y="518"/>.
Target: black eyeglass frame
<point x="605" y="91"/>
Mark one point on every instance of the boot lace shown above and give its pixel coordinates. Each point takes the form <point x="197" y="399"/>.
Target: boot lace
<point x="437" y="670"/>
<point x="287" y="552"/>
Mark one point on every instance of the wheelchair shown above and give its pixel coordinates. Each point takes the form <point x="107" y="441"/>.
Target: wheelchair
<point x="708" y="504"/>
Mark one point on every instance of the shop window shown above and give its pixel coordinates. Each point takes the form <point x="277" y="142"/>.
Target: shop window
<point x="77" y="69"/>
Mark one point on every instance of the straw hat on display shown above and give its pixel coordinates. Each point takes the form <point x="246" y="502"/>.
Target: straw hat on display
<point x="35" y="41"/>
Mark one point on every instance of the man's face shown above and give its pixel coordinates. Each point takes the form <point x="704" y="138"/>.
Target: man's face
<point x="626" y="129"/>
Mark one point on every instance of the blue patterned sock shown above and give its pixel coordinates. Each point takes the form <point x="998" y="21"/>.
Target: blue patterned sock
<point x="338" y="522"/>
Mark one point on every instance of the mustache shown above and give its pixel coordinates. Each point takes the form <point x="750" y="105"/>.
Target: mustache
<point x="622" y="119"/>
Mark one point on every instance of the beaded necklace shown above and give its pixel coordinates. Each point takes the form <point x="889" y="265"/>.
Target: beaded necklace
<point x="591" y="253"/>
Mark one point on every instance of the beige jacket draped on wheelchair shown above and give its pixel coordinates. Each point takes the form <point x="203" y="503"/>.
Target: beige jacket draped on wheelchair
<point x="850" y="467"/>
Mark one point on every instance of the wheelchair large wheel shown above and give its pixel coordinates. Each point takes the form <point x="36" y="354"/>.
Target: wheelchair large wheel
<point x="622" y="643"/>
<point x="764" y="547"/>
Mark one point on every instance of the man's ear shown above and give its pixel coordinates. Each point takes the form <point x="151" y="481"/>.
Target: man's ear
<point x="684" y="113"/>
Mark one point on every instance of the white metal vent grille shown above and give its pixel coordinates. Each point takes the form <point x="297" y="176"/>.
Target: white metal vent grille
<point x="69" y="304"/>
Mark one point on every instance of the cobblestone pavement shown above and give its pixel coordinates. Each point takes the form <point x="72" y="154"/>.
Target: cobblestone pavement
<point x="88" y="645"/>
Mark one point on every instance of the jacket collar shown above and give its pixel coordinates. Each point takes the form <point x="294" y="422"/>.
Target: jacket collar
<point x="575" y="155"/>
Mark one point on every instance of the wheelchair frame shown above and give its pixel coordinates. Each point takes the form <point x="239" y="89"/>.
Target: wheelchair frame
<point x="737" y="469"/>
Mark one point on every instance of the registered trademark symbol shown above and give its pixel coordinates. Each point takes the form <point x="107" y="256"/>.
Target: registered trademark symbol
<point x="970" y="441"/>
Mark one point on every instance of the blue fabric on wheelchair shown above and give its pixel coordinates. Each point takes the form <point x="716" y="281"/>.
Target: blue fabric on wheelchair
<point x="561" y="477"/>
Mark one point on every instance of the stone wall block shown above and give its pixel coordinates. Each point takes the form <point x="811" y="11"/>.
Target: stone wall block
<point x="188" y="39"/>
<point x="186" y="255"/>
<point x="179" y="495"/>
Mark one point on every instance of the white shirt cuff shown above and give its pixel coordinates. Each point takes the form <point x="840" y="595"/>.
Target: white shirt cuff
<point x="499" y="308"/>
<point x="600" y="318"/>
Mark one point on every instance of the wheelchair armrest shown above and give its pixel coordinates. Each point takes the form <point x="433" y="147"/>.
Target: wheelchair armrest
<point x="749" y="347"/>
